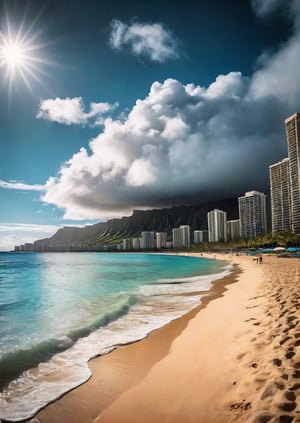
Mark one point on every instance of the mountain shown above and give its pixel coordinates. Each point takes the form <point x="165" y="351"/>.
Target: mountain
<point x="111" y="233"/>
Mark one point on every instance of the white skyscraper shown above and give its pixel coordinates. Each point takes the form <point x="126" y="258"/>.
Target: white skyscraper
<point x="200" y="237"/>
<point x="281" y="205"/>
<point x="185" y="236"/>
<point x="176" y="238"/>
<point x="136" y="243"/>
<point x="127" y="244"/>
<point x="147" y="240"/>
<point x="161" y="240"/>
<point x="181" y="237"/>
<point x="292" y="125"/>
<point x="253" y="214"/>
<point x="233" y="229"/>
<point x="285" y="182"/>
<point x="217" y="225"/>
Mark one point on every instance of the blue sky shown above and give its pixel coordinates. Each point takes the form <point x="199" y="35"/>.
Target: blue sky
<point x="112" y="106"/>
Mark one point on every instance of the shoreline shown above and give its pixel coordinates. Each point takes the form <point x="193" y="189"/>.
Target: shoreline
<point x="232" y="359"/>
<point x="174" y="301"/>
<point x="87" y="401"/>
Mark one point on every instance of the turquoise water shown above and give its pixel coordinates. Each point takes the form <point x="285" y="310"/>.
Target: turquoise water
<point x="58" y="310"/>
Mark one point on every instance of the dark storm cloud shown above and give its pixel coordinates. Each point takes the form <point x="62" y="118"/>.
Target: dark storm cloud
<point x="186" y="142"/>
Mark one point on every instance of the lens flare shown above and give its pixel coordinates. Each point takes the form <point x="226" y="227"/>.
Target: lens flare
<point x="21" y="55"/>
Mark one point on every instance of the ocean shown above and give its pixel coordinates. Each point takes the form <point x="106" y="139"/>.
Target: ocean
<point x="59" y="310"/>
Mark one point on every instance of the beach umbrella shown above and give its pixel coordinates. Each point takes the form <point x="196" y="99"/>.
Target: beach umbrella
<point x="292" y="249"/>
<point x="279" y="249"/>
<point x="267" y="250"/>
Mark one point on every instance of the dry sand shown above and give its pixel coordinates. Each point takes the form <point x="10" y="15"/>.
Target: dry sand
<point x="234" y="359"/>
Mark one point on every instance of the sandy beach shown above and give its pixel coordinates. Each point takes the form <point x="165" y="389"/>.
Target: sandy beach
<point x="235" y="358"/>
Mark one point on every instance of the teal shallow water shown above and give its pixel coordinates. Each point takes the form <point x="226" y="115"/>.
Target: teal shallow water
<point x="59" y="310"/>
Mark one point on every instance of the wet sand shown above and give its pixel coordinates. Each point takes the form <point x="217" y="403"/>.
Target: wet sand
<point x="236" y="358"/>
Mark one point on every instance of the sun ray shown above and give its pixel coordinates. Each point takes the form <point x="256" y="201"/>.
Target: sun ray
<point x="22" y="53"/>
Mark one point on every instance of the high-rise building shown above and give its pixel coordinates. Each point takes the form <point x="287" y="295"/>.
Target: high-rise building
<point x="233" y="229"/>
<point x="292" y="125"/>
<point x="253" y="214"/>
<point x="127" y="244"/>
<point x="181" y="237"/>
<point x="185" y="236"/>
<point x="200" y="237"/>
<point x="217" y="225"/>
<point x="176" y="238"/>
<point x="136" y="243"/>
<point x="161" y="240"/>
<point x="147" y="240"/>
<point x="281" y="207"/>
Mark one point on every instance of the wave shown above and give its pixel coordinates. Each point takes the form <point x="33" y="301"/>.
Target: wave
<point x="131" y="318"/>
<point x="12" y="364"/>
<point x="214" y="276"/>
<point x="191" y="284"/>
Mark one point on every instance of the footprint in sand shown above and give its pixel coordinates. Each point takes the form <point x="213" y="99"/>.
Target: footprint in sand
<point x="276" y="362"/>
<point x="297" y="365"/>
<point x="290" y="355"/>
<point x="240" y="405"/>
<point x="286" y="419"/>
<point x="287" y="406"/>
<point x="284" y="340"/>
<point x="240" y="356"/>
<point x="291" y="318"/>
<point x="264" y="418"/>
<point x="290" y="396"/>
<point x="296" y="374"/>
<point x="295" y="387"/>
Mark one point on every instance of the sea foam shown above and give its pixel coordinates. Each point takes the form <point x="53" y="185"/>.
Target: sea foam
<point x="148" y="308"/>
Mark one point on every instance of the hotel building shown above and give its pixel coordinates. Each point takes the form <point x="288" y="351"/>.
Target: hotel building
<point x="176" y="238"/>
<point x="161" y="240"/>
<point x="281" y="206"/>
<point x="127" y="244"/>
<point x="217" y="225"/>
<point x="147" y="240"/>
<point x="136" y="243"/>
<point x="181" y="237"/>
<point x="285" y="182"/>
<point x="292" y="125"/>
<point x="253" y="214"/>
<point x="185" y="236"/>
<point x="200" y="237"/>
<point x="233" y="229"/>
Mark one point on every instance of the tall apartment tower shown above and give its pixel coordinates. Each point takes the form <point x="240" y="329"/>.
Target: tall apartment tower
<point x="176" y="238"/>
<point x="185" y="235"/>
<point x="292" y="125"/>
<point x="253" y="214"/>
<point x="147" y="240"/>
<point x="161" y="240"/>
<point x="233" y="229"/>
<point x="200" y="237"/>
<point x="217" y="225"/>
<point x="281" y="206"/>
<point x="181" y="237"/>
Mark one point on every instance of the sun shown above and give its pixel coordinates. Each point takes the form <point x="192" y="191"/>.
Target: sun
<point x="13" y="55"/>
<point x="21" y="55"/>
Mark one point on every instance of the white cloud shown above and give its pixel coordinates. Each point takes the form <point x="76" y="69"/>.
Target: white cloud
<point x="12" y="234"/>
<point x="20" y="186"/>
<point x="70" y="111"/>
<point x="151" y="40"/>
<point x="184" y="143"/>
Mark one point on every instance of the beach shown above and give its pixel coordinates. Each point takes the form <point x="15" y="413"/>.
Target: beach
<point x="235" y="358"/>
